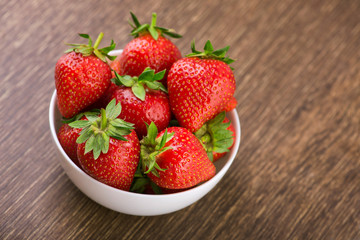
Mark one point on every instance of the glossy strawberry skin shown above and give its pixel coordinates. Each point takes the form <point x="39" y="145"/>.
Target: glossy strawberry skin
<point x="67" y="137"/>
<point x="144" y="51"/>
<point x="117" y="167"/>
<point x="186" y="163"/>
<point x="80" y="81"/>
<point x="105" y="98"/>
<point x="115" y="65"/>
<point x="199" y="89"/>
<point x="155" y="108"/>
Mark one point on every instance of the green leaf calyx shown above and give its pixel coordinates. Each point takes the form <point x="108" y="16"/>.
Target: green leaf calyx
<point x="148" y="78"/>
<point x="210" y="53"/>
<point x="214" y="135"/>
<point x="89" y="49"/>
<point x="151" y="146"/>
<point x="141" y="182"/>
<point x="88" y="114"/>
<point x="97" y="130"/>
<point x="155" y="31"/>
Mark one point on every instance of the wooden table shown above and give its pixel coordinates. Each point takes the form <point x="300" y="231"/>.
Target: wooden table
<point x="297" y="173"/>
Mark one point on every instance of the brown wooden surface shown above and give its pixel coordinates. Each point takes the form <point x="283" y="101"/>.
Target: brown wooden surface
<point x="297" y="174"/>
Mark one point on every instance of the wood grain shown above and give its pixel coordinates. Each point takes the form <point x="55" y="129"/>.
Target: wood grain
<point x="297" y="174"/>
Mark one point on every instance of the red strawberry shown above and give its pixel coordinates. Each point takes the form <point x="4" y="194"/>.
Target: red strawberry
<point x="175" y="158"/>
<point x="143" y="184"/>
<point x="114" y="145"/>
<point x="67" y="137"/>
<point x="200" y="85"/>
<point x="82" y="75"/>
<point x="217" y="136"/>
<point x="144" y="100"/>
<point x="149" y="48"/>
<point x="115" y="66"/>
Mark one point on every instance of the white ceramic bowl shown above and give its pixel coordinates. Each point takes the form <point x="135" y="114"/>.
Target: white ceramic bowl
<point x="135" y="203"/>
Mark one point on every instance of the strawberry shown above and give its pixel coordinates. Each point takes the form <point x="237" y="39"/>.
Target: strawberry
<point x="67" y="135"/>
<point x="144" y="100"/>
<point x="82" y="75"/>
<point x="174" y="158"/>
<point x="149" y="48"/>
<point x="217" y="136"/>
<point x="143" y="184"/>
<point x="200" y="85"/>
<point x="108" y="148"/>
<point x="115" y="66"/>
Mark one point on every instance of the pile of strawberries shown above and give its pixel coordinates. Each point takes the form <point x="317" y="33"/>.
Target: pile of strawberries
<point x="148" y="120"/>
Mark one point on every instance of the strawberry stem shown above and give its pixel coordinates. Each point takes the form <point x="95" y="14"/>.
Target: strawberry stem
<point x="103" y="119"/>
<point x="98" y="40"/>
<point x="206" y="138"/>
<point x="153" y="20"/>
<point x="87" y="50"/>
